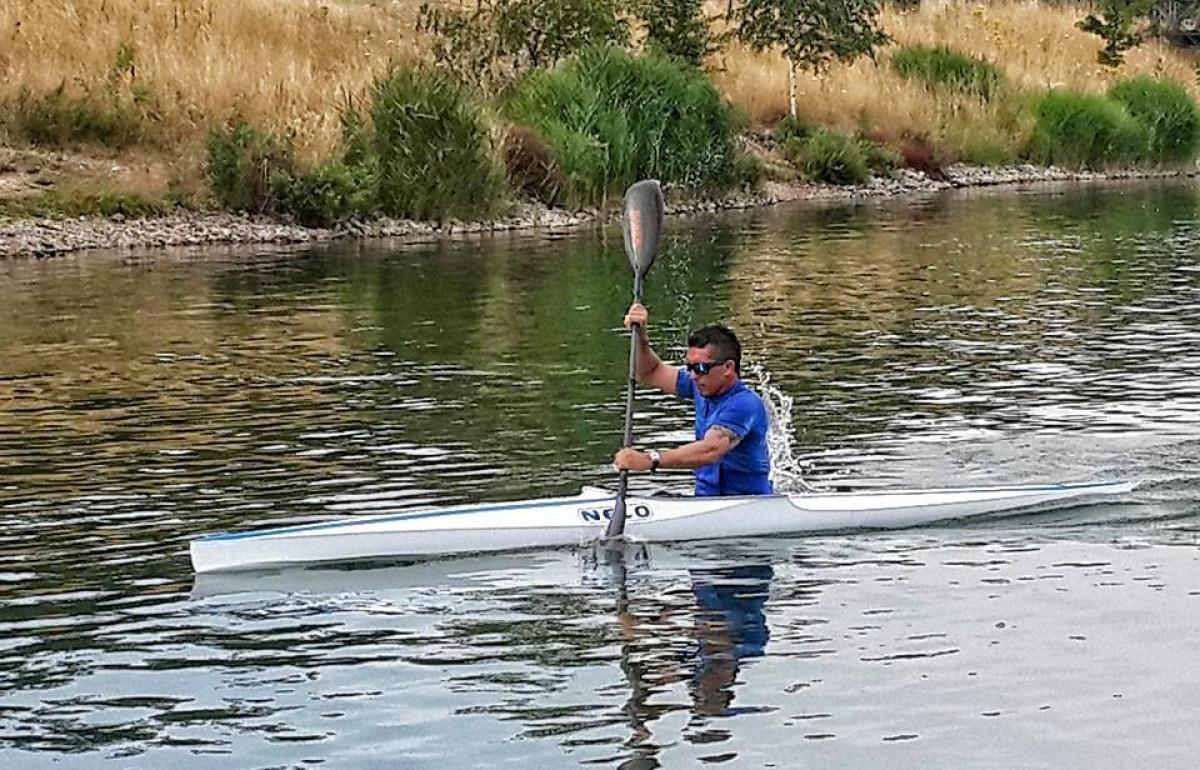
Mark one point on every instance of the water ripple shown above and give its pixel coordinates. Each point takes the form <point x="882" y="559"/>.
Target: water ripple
<point x="1024" y="337"/>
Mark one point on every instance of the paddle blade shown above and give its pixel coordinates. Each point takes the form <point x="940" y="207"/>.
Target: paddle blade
<point x="643" y="224"/>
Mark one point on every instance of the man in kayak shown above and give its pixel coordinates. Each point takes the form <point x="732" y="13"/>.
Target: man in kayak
<point x="729" y="454"/>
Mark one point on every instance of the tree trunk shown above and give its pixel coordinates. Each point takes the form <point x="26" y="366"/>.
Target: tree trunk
<point x="792" y="88"/>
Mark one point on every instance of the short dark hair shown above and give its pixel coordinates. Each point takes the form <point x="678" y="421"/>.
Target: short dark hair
<point x="723" y="341"/>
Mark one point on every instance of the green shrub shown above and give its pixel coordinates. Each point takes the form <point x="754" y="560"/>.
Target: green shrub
<point x="1167" y="113"/>
<point x="243" y="163"/>
<point x="56" y="119"/>
<point x="1086" y="130"/>
<point x="424" y="155"/>
<point x="978" y="149"/>
<point x="792" y="127"/>
<point x="612" y="118"/>
<point x="828" y="156"/>
<point x="114" y="112"/>
<point x="328" y="194"/>
<point x="432" y="148"/>
<point x="747" y="172"/>
<point x="943" y="67"/>
<point x="880" y="158"/>
<point x="357" y="140"/>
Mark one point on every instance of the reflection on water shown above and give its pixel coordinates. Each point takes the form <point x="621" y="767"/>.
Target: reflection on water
<point x="700" y="643"/>
<point x="1041" y="336"/>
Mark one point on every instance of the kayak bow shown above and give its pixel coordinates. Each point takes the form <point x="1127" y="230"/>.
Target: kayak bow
<point x="569" y="521"/>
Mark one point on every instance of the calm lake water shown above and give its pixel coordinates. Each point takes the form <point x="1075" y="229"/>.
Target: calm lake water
<point x="993" y="337"/>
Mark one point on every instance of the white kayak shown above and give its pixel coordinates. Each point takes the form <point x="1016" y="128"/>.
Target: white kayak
<point x="568" y="521"/>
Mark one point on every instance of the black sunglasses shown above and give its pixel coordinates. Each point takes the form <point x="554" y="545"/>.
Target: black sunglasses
<point x="704" y="367"/>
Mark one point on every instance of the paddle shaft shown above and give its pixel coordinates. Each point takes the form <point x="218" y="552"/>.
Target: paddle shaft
<point x="616" y="525"/>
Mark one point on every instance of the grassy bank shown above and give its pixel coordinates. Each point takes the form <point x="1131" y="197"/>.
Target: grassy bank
<point x="136" y="84"/>
<point x="1033" y="46"/>
<point x="288" y="66"/>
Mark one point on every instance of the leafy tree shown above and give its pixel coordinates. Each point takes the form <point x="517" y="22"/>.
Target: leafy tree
<point x="811" y="33"/>
<point x="501" y="39"/>
<point x="544" y="31"/>
<point x="464" y="43"/>
<point x="676" y="28"/>
<point x="1115" y="26"/>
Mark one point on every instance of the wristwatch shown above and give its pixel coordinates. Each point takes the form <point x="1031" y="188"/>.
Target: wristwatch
<point x="655" y="459"/>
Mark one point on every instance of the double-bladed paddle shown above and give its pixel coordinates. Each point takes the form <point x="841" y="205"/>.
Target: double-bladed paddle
<point x="643" y="224"/>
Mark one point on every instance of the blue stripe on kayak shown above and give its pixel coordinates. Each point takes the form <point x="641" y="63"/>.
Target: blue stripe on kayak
<point x="399" y="517"/>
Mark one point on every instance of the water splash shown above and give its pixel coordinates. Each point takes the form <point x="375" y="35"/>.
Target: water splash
<point x="787" y="471"/>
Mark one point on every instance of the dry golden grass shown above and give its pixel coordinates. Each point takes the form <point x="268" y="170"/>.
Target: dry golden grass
<point x="288" y="65"/>
<point x="1033" y="45"/>
<point x="291" y="65"/>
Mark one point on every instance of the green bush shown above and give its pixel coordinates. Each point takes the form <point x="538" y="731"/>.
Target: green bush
<point x="880" y="158"/>
<point x="432" y="148"/>
<point x="982" y="148"/>
<point x="327" y="194"/>
<point x="114" y="112"/>
<point x="1085" y="130"/>
<point x="747" y="172"/>
<point x="830" y="157"/>
<point x="424" y="154"/>
<point x="243" y="166"/>
<point x="943" y="67"/>
<point x="56" y="119"/>
<point x="1167" y="113"/>
<point x="612" y="118"/>
<point x="793" y="127"/>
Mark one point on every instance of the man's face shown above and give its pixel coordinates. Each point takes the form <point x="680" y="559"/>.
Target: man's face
<point x="719" y="377"/>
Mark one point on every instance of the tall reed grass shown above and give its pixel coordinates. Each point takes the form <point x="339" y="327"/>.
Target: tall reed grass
<point x="1086" y="130"/>
<point x="943" y="67"/>
<point x="1168" y="114"/>
<point x="432" y="148"/>
<point x="612" y="118"/>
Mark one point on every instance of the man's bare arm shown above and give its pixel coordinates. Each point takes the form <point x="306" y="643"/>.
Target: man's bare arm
<point x="710" y="449"/>
<point x="717" y="442"/>
<point x="650" y="370"/>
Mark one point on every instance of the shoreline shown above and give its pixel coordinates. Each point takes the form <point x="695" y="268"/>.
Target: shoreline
<point x="41" y="237"/>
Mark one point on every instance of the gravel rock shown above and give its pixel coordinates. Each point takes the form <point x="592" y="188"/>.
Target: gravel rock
<point x="46" y="237"/>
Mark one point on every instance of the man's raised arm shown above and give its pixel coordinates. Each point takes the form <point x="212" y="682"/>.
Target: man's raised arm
<point x="650" y="368"/>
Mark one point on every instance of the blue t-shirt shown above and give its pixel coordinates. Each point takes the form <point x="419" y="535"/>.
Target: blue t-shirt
<point x="745" y="469"/>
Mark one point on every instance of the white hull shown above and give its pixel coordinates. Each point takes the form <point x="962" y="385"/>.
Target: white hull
<point x="566" y="521"/>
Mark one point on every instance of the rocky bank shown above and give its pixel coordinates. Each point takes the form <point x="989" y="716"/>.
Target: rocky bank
<point x="48" y="237"/>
